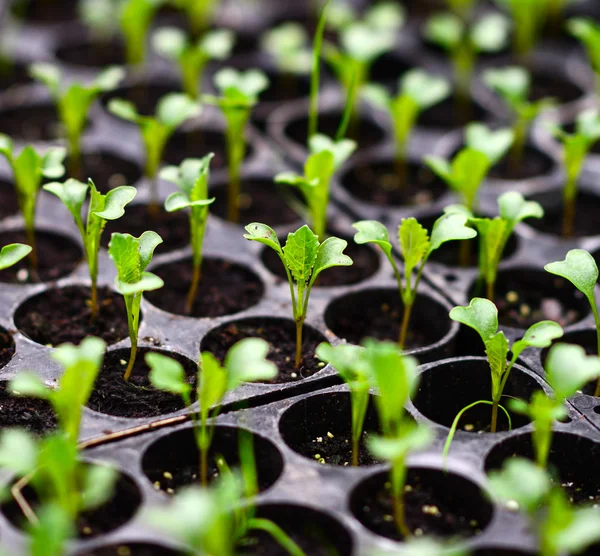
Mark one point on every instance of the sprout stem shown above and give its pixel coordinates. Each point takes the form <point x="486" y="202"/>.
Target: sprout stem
<point x="404" y="327"/>
<point x="597" y="322"/>
<point x="75" y="160"/>
<point x="355" y="450"/>
<point x="399" y="517"/>
<point x="465" y="253"/>
<point x="131" y="363"/>
<point x="568" y="217"/>
<point x="494" y="424"/>
<point x="204" y="467"/>
<point x="153" y="209"/>
<point x="490" y="290"/>
<point x="193" y="289"/>
<point x="299" y="326"/>
<point x="94" y="300"/>
<point x="401" y="168"/>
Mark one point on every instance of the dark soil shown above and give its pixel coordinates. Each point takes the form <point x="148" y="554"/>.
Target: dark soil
<point x="92" y="53"/>
<point x="225" y="288"/>
<point x="130" y="549"/>
<point x="61" y="315"/>
<point x="145" y="96"/>
<point x="365" y="264"/>
<point x="7" y="347"/>
<point x="319" y="428"/>
<point x="47" y="11"/>
<point x="439" y="504"/>
<point x="260" y="201"/>
<point x="13" y="74"/>
<point x="284" y="88"/>
<point x="136" y="398"/>
<point x="545" y="85"/>
<point x="533" y="164"/>
<point x="31" y="123"/>
<point x="109" y="516"/>
<point x="173" y="461"/>
<point x="525" y="296"/>
<point x="388" y="69"/>
<point x="108" y="171"/>
<point x="172" y="227"/>
<point x="377" y="313"/>
<point x="446" y="115"/>
<point x="196" y="143"/>
<point x="579" y="481"/>
<point x="501" y="552"/>
<point x="280" y="333"/>
<point x="365" y="132"/>
<point x="587" y="211"/>
<point x="315" y="533"/>
<point x="8" y="199"/>
<point x="57" y="257"/>
<point x="377" y="182"/>
<point x="449" y="387"/>
<point x="33" y="415"/>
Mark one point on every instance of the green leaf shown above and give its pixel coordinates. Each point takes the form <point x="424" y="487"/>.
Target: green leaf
<point x="18" y="451"/>
<point x="329" y="254"/>
<point x="218" y="43"/>
<point x="246" y="362"/>
<point x="496" y="350"/>
<point x="494" y="144"/>
<point x="490" y="33"/>
<point x="363" y="43"/>
<point x="568" y="369"/>
<point x="147" y="282"/>
<point x="52" y="162"/>
<point x="11" y="254"/>
<point x="170" y="42"/>
<point x="167" y="374"/>
<point x="580" y="269"/>
<point x="108" y="79"/>
<point x="424" y="88"/>
<point x="132" y="255"/>
<point x="445" y="30"/>
<point x="123" y="109"/>
<point x="213" y="382"/>
<point x="263" y="234"/>
<point x="98" y="485"/>
<point x="115" y="202"/>
<point x="414" y="243"/>
<point x="377" y="95"/>
<point x="346" y="360"/>
<point x="72" y="193"/>
<point x="587" y="31"/>
<point x="341" y="149"/>
<point x="173" y="109"/>
<point x="6" y="146"/>
<point x="511" y="83"/>
<point x="371" y="231"/>
<point x="300" y="253"/>
<point x="450" y="227"/>
<point x="539" y="335"/>
<point x="148" y="242"/>
<point x="579" y="532"/>
<point x="417" y="437"/>
<point x="48" y="74"/>
<point x="52" y="531"/>
<point x="29" y="385"/>
<point x="248" y="84"/>
<point x="514" y="208"/>
<point x="481" y="315"/>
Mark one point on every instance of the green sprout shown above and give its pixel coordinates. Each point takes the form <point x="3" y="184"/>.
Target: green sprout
<point x="288" y="45"/>
<point x="526" y="24"/>
<point x="416" y="246"/>
<point x="51" y="531"/>
<point x="98" y="15"/>
<point x="28" y="168"/>
<point x="192" y="56"/>
<point x="101" y="208"/>
<point x="245" y="362"/>
<point x="568" y="370"/>
<point x="200" y="14"/>
<point x="417" y="91"/>
<point x="74" y="102"/>
<point x="463" y="42"/>
<point x="13" y="253"/>
<point x="315" y="72"/>
<point x="576" y="147"/>
<point x="192" y="179"/>
<point x="172" y="110"/>
<point x="513" y="84"/>
<point x="394" y="375"/>
<point x="561" y="529"/>
<point x="482" y="316"/>
<point x="239" y="94"/>
<point x="131" y="257"/>
<point x="348" y="361"/>
<point x="303" y="258"/>
<point x="462" y="8"/>
<point x="325" y="159"/>
<point x="587" y="31"/>
<point x="135" y="18"/>
<point x="581" y="270"/>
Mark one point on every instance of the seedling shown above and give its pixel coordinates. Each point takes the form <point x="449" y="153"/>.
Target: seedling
<point x="29" y="167"/>
<point x="192" y="179"/>
<point x="200" y="14"/>
<point x="416" y="246"/>
<point x="135" y="18"/>
<point x="568" y="370"/>
<point x="303" y="258"/>
<point x="73" y="103"/>
<point x="417" y="91"/>
<point x="463" y="42"/>
<point x="581" y="270"/>
<point x="239" y="94"/>
<point x="11" y="254"/>
<point x="561" y="529"/>
<point x="513" y="84"/>
<point x="395" y="377"/>
<point x="245" y="362"/>
<point x="526" y="24"/>
<point x="315" y="72"/>
<point x="576" y="147"/>
<point x="192" y="56"/>
<point x="131" y="257"/>
<point x="494" y="233"/>
<point x="101" y="208"/>
<point x="325" y="159"/>
<point x="98" y="15"/>
<point x="587" y="31"/>
<point x="172" y="110"/>
<point x="288" y="45"/>
<point x="482" y="316"/>
<point x="51" y="532"/>
<point x="462" y="8"/>
<point x="349" y="363"/>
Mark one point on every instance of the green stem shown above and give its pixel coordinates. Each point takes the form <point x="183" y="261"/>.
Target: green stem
<point x="282" y="538"/>
<point x="75" y="159"/>
<point x="399" y="515"/>
<point x="568" y="223"/>
<point x="494" y="424"/>
<point x="313" y="111"/>
<point x="191" y="297"/>
<point x="597" y="322"/>
<point x="299" y="327"/>
<point x="204" y="467"/>
<point x="490" y="285"/>
<point x="405" y="322"/>
<point x="129" y="301"/>
<point x="94" y="299"/>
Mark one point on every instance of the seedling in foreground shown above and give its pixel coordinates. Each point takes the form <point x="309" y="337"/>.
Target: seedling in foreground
<point x="192" y="56"/>
<point x="135" y="18"/>
<point x="417" y="91"/>
<point x="29" y="168"/>
<point x="576" y="147"/>
<point x="101" y="208"/>
<point x="131" y="256"/>
<point x="513" y="85"/>
<point x="587" y="31"/>
<point x="73" y="104"/>
<point x="11" y="254"/>
<point x="239" y="94"/>
<point x="394" y="375"/>
<point x="482" y="316"/>
<point x="325" y="159"/>
<point x="416" y="247"/>
<point x="245" y="362"/>
<point x="288" y="45"/>
<point x="581" y="270"/>
<point x="568" y="370"/>
<point x="171" y="111"/>
<point x="303" y="258"/>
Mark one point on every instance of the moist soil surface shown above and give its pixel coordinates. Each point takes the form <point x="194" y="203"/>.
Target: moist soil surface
<point x="57" y="257"/>
<point x="446" y="115"/>
<point x="131" y="549"/>
<point x="377" y="183"/>
<point x="281" y="335"/>
<point x="31" y="123"/>
<point x="13" y="74"/>
<point x="7" y="347"/>
<point x="365" y="264"/>
<point x="546" y="85"/>
<point x="284" y="88"/>
<point x="225" y="288"/>
<point x="260" y="201"/>
<point x="136" y="398"/>
<point x="587" y="211"/>
<point x="172" y="227"/>
<point x="43" y="11"/>
<point x="437" y="504"/>
<point x="60" y="315"/>
<point x="388" y="69"/>
<point x="533" y="163"/>
<point x="8" y="199"/>
<point x="107" y="171"/>
<point x="33" y="415"/>
<point x="93" y="53"/>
